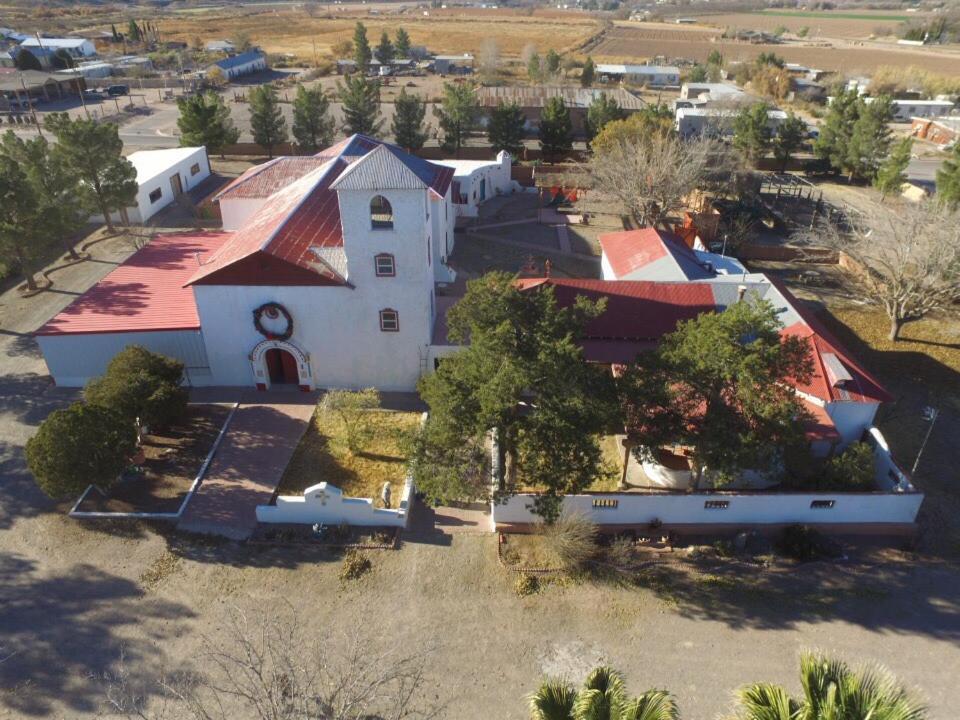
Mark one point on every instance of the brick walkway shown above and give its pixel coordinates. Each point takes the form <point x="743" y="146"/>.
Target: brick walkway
<point x="426" y="523"/>
<point x="249" y="464"/>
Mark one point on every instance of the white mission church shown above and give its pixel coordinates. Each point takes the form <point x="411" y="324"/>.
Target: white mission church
<point x="325" y="275"/>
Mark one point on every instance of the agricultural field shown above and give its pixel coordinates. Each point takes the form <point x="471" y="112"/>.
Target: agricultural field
<point x="853" y="26"/>
<point x="633" y="42"/>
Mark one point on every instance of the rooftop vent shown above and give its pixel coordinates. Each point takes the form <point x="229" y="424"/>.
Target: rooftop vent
<point x="836" y="373"/>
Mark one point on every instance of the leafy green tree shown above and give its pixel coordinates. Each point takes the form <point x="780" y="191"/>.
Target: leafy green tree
<point x="267" y="123"/>
<point x="721" y="384"/>
<point x="698" y="73"/>
<point x="803" y="32"/>
<point x="458" y="115"/>
<point x="715" y="58"/>
<point x="589" y="73"/>
<point x="602" y="697"/>
<point x="552" y="61"/>
<point x="601" y="111"/>
<point x="831" y="690"/>
<point x="892" y="174"/>
<point x="505" y="131"/>
<point x="407" y="126"/>
<point x="534" y="71"/>
<point x="770" y="58"/>
<point x="362" y="54"/>
<point x="385" y="50"/>
<point x="313" y="125"/>
<point x="448" y="473"/>
<point x="948" y="179"/>
<point x="361" y="105"/>
<point x="852" y="470"/>
<point x="91" y="151"/>
<point x="20" y="238"/>
<point x="640" y="128"/>
<point x="870" y="141"/>
<point x="402" y="43"/>
<point x="80" y="446"/>
<point x="556" y="130"/>
<point x="521" y="376"/>
<point x="789" y="138"/>
<point x="205" y="121"/>
<point x="63" y="202"/>
<point x="751" y="131"/>
<point x="143" y="385"/>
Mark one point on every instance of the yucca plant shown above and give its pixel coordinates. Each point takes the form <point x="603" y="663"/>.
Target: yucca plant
<point x="831" y="691"/>
<point x="603" y="697"/>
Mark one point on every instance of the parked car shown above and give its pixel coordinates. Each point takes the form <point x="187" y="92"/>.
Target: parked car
<point x="116" y="90"/>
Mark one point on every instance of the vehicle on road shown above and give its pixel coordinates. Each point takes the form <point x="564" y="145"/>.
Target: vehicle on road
<point x="117" y="90"/>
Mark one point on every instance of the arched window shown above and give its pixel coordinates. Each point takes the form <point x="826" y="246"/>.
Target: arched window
<point x="385" y="265"/>
<point x="381" y="214"/>
<point x="389" y="320"/>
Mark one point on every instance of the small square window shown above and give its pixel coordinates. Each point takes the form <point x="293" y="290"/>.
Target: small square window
<point x="385" y="266"/>
<point x="156" y="195"/>
<point x="195" y="169"/>
<point x="716" y="505"/>
<point x="822" y="504"/>
<point x="389" y="321"/>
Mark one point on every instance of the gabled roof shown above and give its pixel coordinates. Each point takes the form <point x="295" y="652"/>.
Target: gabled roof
<point x="145" y="293"/>
<point x="387" y="167"/>
<point x="262" y="181"/>
<point x="238" y="60"/>
<point x="650" y="254"/>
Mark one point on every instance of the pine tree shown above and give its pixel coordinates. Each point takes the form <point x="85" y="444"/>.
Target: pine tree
<point x="556" y="138"/>
<point x="458" y="113"/>
<point x="313" y="126"/>
<point x="408" y="114"/>
<point x="114" y="33"/>
<point x="267" y="123"/>
<point x="360" y="97"/>
<point x="870" y="140"/>
<point x="133" y="31"/>
<point x="92" y="151"/>
<point x="402" y="43"/>
<point x="505" y="131"/>
<point x="602" y="110"/>
<point x="205" y="120"/>
<point x="533" y="68"/>
<point x="789" y="138"/>
<point x="836" y="130"/>
<point x="948" y="179"/>
<point x="21" y="242"/>
<point x="385" y="50"/>
<point x="588" y="74"/>
<point x="892" y="174"/>
<point x="752" y="131"/>
<point x="361" y="48"/>
<point x="553" y="62"/>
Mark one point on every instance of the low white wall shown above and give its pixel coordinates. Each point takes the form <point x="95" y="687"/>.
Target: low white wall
<point x="741" y="509"/>
<point x="888" y="473"/>
<point x="326" y="504"/>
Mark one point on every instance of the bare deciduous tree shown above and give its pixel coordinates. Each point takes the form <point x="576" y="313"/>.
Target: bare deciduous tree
<point x="489" y="58"/>
<point x="265" y="669"/>
<point x="909" y="258"/>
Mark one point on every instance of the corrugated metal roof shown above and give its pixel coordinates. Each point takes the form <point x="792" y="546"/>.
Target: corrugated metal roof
<point x="264" y="180"/>
<point x="241" y="59"/>
<point x="538" y="96"/>
<point x="144" y="293"/>
<point x="651" y="254"/>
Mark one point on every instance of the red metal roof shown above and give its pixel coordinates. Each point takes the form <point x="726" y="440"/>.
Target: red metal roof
<point x="264" y="180"/>
<point x="145" y="293"/>
<point x="630" y="250"/>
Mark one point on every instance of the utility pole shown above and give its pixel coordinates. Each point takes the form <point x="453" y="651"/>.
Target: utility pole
<point x="33" y="110"/>
<point x="930" y="414"/>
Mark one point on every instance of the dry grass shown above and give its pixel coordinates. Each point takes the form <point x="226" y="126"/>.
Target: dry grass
<point x="323" y="455"/>
<point x="530" y="551"/>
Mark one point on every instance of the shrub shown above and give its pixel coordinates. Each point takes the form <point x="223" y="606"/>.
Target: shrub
<point x="573" y="538"/>
<point x="803" y="543"/>
<point x="355" y="565"/>
<point x="853" y="469"/>
<point x="447" y="472"/>
<point x="352" y="406"/>
<point x="620" y="552"/>
<point x="526" y="585"/>
<point x="80" y="446"/>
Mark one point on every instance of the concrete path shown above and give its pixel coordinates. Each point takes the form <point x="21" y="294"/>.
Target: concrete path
<point x="429" y="524"/>
<point x="249" y="464"/>
<point x="563" y="237"/>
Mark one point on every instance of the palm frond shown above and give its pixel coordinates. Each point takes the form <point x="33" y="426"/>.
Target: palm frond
<point x="652" y="705"/>
<point x="603" y="696"/>
<point x="766" y="701"/>
<point x="553" y="700"/>
<point x="821" y="678"/>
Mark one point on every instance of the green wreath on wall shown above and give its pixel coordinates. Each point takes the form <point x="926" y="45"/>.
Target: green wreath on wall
<point x="273" y="310"/>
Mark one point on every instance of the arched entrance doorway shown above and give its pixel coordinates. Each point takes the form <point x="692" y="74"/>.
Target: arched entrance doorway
<point x="281" y="367"/>
<point x="280" y="363"/>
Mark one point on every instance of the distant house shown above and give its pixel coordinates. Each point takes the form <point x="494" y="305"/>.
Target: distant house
<point x="905" y="110"/>
<point x="43" y="56"/>
<point x="76" y="47"/>
<point x="808" y="89"/>
<point x="655" y="75"/>
<point x="941" y="130"/>
<point x="246" y="63"/>
<point x="715" y="122"/>
<point x="453" y="64"/>
<point x="714" y="92"/>
<point x="531" y="101"/>
<point x="224" y="46"/>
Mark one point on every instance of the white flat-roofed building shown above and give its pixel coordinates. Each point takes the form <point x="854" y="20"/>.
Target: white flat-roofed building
<point x="77" y="47"/>
<point x="716" y="122"/>
<point x="657" y="75"/>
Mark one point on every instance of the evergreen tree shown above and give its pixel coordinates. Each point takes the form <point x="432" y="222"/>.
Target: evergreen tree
<point x="408" y="129"/>
<point x="601" y="111"/>
<point x="870" y="141"/>
<point x="836" y="130"/>
<point x="534" y="71"/>
<point x="556" y="131"/>
<point x="789" y="138"/>
<point x="133" y="31"/>
<point x="402" y="43"/>
<point x="267" y="123"/>
<point x="63" y="202"/>
<point x="313" y="126"/>
<point x="21" y="242"/>
<point x="458" y="113"/>
<point x="361" y="48"/>
<point x="91" y="151"/>
<point x="698" y="73"/>
<point x="205" y="120"/>
<point x="114" y="33"/>
<point x="948" y="179"/>
<point x="752" y="131"/>
<point x="553" y="61"/>
<point x="505" y="130"/>
<point x="892" y="174"/>
<point x="715" y="58"/>
<point x="588" y="74"/>
<point x="361" y="105"/>
<point x="385" y="50"/>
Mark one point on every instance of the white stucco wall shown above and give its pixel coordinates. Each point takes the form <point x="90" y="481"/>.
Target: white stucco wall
<point x="852" y="419"/>
<point x="606" y="270"/>
<point x="325" y="504"/>
<point x="234" y="212"/>
<point x="494" y="177"/>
